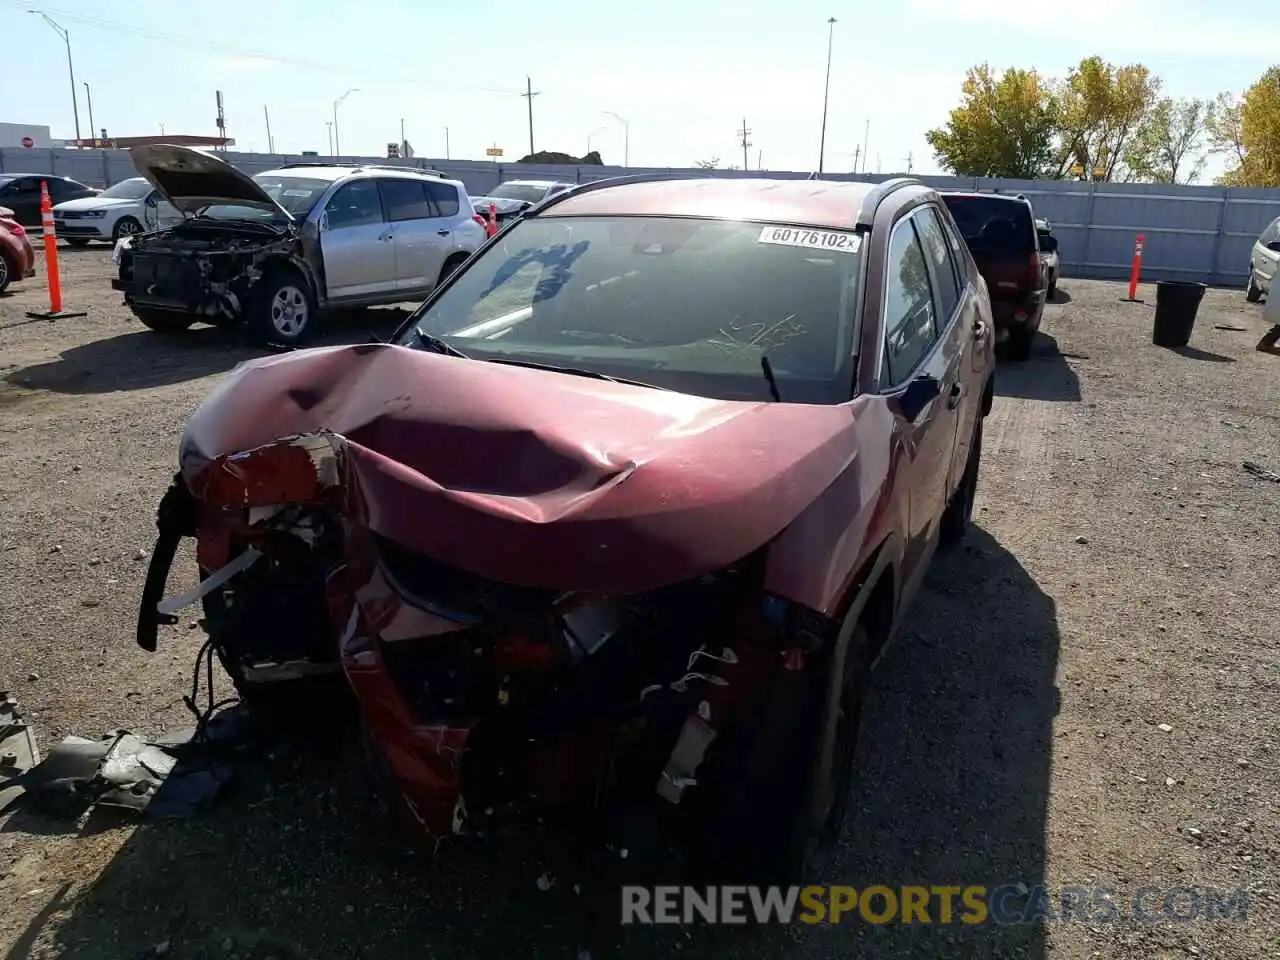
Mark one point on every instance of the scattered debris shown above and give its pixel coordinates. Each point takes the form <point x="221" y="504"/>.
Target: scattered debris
<point x="1082" y="539"/>
<point x="1164" y="727"/>
<point x="1194" y="833"/>
<point x="163" y="779"/>
<point x="1230" y="326"/>
<point x="18" y="751"/>
<point x="1261" y="472"/>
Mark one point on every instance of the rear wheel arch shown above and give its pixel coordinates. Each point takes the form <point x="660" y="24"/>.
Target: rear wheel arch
<point x="988" y="395"/>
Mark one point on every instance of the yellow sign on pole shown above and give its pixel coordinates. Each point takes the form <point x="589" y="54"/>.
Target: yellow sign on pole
<point x="493" y="151"/>
<point x="1077" y="170"/>
<point x="1099" y="172"/>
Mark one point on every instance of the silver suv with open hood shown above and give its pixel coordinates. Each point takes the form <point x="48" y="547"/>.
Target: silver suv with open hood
<point x="273" y="249"/>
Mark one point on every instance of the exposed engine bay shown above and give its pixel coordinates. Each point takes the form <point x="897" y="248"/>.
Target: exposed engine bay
<point x="205" y="267"/>
<point x="487" y="707"/>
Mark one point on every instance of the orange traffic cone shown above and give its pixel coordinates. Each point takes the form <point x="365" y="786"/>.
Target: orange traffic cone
<point x="492" y="227"/>
<point x="55" y="311"/>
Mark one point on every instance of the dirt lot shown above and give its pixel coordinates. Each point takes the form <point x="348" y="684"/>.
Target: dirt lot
<point x="1085" y="695"/>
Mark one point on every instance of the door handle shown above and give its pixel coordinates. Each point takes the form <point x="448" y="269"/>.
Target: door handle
<point x="443" y="233"/>
<point x="386" y="236"/>
<point x="955" y="395"/>
<point x="979" y="329"/>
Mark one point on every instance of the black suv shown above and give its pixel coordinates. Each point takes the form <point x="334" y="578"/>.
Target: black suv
<point x="20" y="192"/>
<point x="1000" y="231"/>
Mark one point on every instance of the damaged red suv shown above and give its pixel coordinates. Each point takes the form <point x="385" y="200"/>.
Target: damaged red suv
<point x="609" y="538"/>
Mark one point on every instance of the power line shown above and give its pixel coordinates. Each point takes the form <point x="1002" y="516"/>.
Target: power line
<point x="743" y="134"/>
<point x="214" y="46"/>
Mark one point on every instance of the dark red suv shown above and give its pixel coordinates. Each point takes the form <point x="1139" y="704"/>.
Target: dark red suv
<point x="609" y="538"/>
<point x="1000" y="231"/>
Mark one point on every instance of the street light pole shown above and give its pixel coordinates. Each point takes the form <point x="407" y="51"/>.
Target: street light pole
<point x="329" y="125"/>
<point x="88" y="96"/>
<point x="626" y="138"/>
<point x="446" y="143"/>
<point x="66" y="38"/>
<point x="592" y="134"/>
<point x="337" y="146"/>
<point x="826" y="92"/>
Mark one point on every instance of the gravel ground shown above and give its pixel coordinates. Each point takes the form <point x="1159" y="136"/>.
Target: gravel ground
<point x="1085" y="695"/>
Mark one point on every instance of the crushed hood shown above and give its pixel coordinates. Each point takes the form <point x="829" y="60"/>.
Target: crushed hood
<point x="527" y="476"/>
<point x="194" y="179"/>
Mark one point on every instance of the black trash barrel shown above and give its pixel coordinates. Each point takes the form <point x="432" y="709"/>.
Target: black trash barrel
<point x="1177" y="302"/>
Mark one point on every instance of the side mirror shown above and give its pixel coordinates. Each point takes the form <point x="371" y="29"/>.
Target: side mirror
<point x="1274" y="245"/>
<point x="1049" y="244"/>
<point x="920" y="392"/>
<point x="323" y="222"/>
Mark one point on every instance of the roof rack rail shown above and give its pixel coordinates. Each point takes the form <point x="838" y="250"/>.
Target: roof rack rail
<point x="877" y="194"/>
<point x="590" y="185"/>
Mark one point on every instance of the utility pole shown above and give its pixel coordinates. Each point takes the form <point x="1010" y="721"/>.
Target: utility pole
<point x="162" y="129"/>
<point x="88" y="96"/>
<point x="626" y="137"/>
<point x="404" y="144"/>
<point x="857" y="154"/>
<point x="66" y="38"/>
<point x="826" y="90"/>
<point x="446" y="143"/>
<point x="271" y="143"/>
<point x="529" y="94"/>
<point x="337" y="147"/>
<point x="329" y="124"/>
<point x="866" y="140"/>
<point x="910" y="167"/>
<point x="743" y="134"/>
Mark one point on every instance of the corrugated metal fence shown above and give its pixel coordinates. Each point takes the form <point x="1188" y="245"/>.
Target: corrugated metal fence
<point x="1192" y="232"/>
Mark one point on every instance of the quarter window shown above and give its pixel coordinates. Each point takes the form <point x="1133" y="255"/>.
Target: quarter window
<point x="943" y="271"/>
<point x="1271" y="233"/>
<point x="910" y="330"/>
<point x="405" y="200"/>
<point x="355" y="205"/>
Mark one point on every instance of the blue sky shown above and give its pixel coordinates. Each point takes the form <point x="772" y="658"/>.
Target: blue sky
<point x="683" y="74"/>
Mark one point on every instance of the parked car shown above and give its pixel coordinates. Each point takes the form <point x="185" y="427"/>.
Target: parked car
<point x="20" y="192"/>
<point x="617" y="526"/>
<point x="123" y="209"/>
<point x="17" y="257"/>
<point x="1000" y="232"/>
<point x="1263" y="262"/>
<point x="510" y="200"/>
<point x="272" y="250"/>
<point x="1048" y="255"/>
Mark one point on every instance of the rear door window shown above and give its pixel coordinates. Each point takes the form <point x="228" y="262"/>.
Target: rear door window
<point x="405" y="200"/>
<point x="946" y="283"/>
<point x="444" y="198"/>
<point x="993" y="223"/>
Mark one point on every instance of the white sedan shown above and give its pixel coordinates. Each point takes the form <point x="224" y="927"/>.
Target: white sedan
<point x="130" y="206"/>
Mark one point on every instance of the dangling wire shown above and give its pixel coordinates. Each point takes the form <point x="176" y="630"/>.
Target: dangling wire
<point x="207" y="714"/>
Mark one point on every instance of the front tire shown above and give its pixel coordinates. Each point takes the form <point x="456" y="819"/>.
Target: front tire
<point x="163" y="321"/>
<point x="1252" y="292"/>
<point x="8" y="271"/>
<point x="1018" y="348"/>
<point x="282" y="309"/>
<point x="125" y="227"/>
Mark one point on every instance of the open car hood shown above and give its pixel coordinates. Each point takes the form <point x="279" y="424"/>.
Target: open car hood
<point x="193" y="179"/>
<point x="518" y="475"/>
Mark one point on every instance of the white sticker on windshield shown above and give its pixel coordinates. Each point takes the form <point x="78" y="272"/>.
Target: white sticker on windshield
<point x="296" y="193"/>
<point x="833" y="240"/>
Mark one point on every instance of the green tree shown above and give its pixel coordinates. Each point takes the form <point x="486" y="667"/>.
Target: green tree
<point x="1169" y="145"/>
<point x="1223" y="125"/>
<point x="1005" y="126"/>
<point x="1101" y="107"/>
<point x="1249" y="130"/>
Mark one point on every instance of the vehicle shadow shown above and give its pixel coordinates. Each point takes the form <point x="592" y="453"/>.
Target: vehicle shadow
<point x="143" y="358"/>
<point x="1060" y="296"/>
<point x="1046" y="375"/>
<point x="952" y="790"/>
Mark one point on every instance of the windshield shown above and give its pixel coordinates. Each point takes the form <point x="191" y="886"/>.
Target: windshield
<point x="691" y="305"/>
<point x="135" y="188"/>
<point x="525" y="192"/>
<point x="993" y="223"/>
<point x="296" y="194"/>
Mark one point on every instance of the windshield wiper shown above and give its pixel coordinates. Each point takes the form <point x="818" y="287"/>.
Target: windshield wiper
<point x="767" y="368"/>
<point x="436" y="345"/>
<point x="574" y="371"/>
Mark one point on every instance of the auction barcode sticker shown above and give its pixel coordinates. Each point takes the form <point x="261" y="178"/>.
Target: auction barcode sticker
<point x="833" y="240"/>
